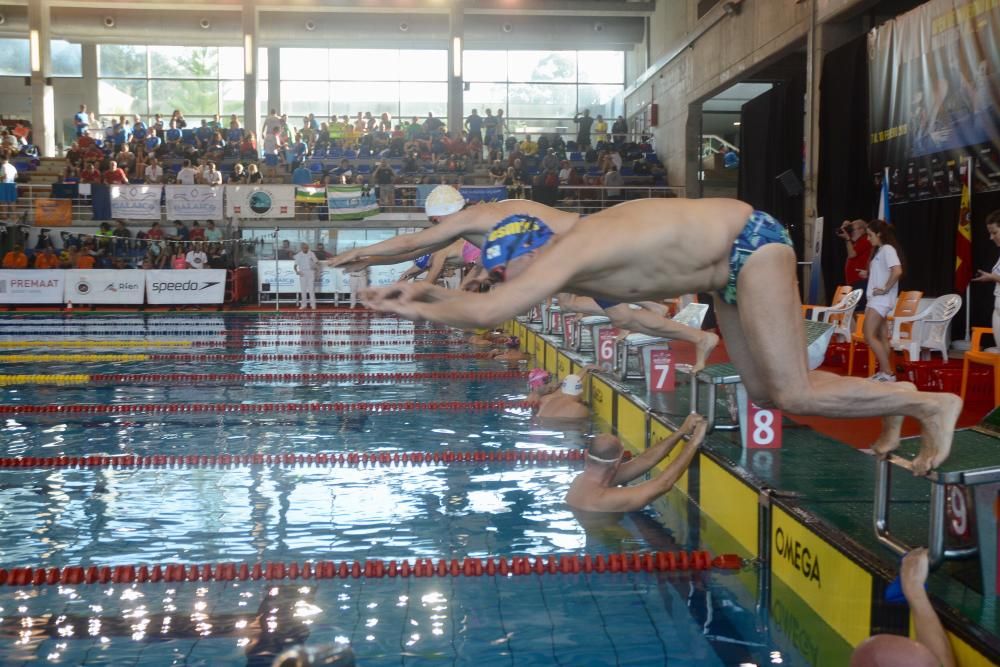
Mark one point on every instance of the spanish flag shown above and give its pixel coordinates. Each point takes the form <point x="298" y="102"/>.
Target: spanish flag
<point x="963" y="237"/>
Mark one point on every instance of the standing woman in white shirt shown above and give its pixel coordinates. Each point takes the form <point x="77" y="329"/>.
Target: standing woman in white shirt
<point x="305" y="267"/>
<point x="884" y="272"/>
<point x="993" y="227"/>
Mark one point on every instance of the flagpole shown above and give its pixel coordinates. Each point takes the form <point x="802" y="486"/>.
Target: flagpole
<point x="966" y="343"/>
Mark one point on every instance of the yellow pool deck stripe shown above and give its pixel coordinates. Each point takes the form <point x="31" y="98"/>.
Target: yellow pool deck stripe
<point x="44" y="379"/>
<point x="31" y="358"/>
<point x="94" y="343"/>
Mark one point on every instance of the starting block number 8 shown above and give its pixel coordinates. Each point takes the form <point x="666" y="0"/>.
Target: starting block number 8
<point x="765" y="428"/>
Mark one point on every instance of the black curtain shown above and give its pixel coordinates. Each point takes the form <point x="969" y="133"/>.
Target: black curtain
<point x="771" y="127"/>
<point x="845" y="188"/>
<point x="984" y="256"/>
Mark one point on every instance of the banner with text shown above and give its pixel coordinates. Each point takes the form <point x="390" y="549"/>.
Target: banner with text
<point x="934" y="95"/>
<point x="136" y="202"/>
<point x="380" y="276"/>
<point x="351" y="202"/>
<point x="31" y="286"/>
<point x="184" y="287"/>
<point x="260" y="201"/>
<point x="194" y="202"/>
<point x="328" y="280"/>
<point x="105" y="286"/>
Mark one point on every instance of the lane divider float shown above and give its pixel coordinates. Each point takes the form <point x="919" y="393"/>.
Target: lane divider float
<point x="231" y="408"/>
<point x="290" y="356"/>
<point x="641" y="561"/>
<point x="66" y="331"/>
<point x="248" y="378"/>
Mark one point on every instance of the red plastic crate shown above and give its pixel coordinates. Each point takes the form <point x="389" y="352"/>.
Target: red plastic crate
<point x="980" y="389"/>
<point x="922" y="373"/>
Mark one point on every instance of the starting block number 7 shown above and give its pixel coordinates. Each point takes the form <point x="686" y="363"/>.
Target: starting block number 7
<point x="765" y="428"/>
<point x="662" y="377"/>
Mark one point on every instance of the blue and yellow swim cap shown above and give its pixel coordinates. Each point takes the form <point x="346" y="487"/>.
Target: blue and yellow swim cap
<point x="422" y="262"/>
<point x="512" y="237"/>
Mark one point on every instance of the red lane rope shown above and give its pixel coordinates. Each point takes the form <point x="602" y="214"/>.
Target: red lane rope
<point x="642" y="561"/>
<point x="449" y="342"/>
<point x="157" y="331"/>
<point x="343" y="356"/>
<point x="241" y="378"/>
<point x="160" y="408"/>
<point x="341" y="460"/>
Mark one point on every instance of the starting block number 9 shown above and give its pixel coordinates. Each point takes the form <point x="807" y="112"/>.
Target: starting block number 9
<point x="606" y="346"/>
<point x="765" y="428"/>
<point x="957" y="510"/>
<point x="662" y="377"/>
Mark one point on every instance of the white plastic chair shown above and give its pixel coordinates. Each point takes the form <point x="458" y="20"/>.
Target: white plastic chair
<point x="840" y="315"/>
<point x="930" y="328"/>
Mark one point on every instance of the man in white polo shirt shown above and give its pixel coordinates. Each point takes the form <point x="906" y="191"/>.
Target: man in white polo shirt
<point x="305" y="266"/>
<point x="187" y="174"/>
<point x="154" y="172"/>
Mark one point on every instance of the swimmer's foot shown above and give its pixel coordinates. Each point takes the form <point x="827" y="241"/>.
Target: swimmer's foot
<point x="888" y="439"/>
<point x="938" y="431"/>
<point x="703" y="348"/>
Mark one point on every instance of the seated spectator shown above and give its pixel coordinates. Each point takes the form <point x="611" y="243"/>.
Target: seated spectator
<point x="67" y="258"/>
<point x="179" y="258"/>
<point x="285" y="251"/>
<point x="46" y="259"/>
<point x="254" y="177"/>
<point x="302" y="176"/>
<point x="234" y="122"/>
<point x="155" y="232"/>
<point x="384" y="177"/>
<point x="90" y="174"/>
<point x="238" y="176"/>
<point x="69" y="175"/>
<point x="74" y="155"/>
<point x="215" y="148"/>
<point x="153" y="141"/>
<point x="248" y="147"/>
<point x="115" y="175"/>
<point x="15" y="258"/>
<point x="197" y="232"/>
<point x="104" y="237"/>
<point x="564" y="172"/>
<point x="211" y="175"/>
<point x="613" y="182"/>
<point x="321" y="252"/>
<point x="85" y="259"/>
<point x="181" y="232"/>
<point x="157" y="255"/>
<point x="217" y="258"/>
<point x="187" y="174"/>
<point x="196" y="257"/>
<point x="177" y="119"/>
<point x="153" y="173"/>
<point x="212" y="233"/>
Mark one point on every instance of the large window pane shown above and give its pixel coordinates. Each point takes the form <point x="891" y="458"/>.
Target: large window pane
<point x="423" y="65"/>
<point x="599" y="100"/>
<point x="199" y="62"/>
<point x="262" y="107"/>
<point x="66" y="58"/>
<point x="261" y="64"/>
<point x="482" y="96"/>
<point x="416" y="99"/>
<point x="542" y="66"/>
<point x="484" y="65"/>
<point x="602" y="66"/>
<point x="231" y="62"/>
<point x="193" y="98"/>
<point x="305" y="64"/>
<point x="541" y="100"/>
<point x="122" y="96"/>
<point x="121" y="60"/>
<point x="352" y="97"/>
<point x="364" y="64"/>
<point x="231" y="96"/>
<point x="14" y="57"/>
<point x="300" y="98"/>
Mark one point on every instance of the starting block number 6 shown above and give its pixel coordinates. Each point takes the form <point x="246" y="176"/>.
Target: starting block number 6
<point x="765" y="428"/>
<point x="606" y="346"/>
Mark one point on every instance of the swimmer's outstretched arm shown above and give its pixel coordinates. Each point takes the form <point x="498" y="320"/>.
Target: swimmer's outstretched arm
<point x="643" y="463"/>
<point x="584" y="305"/>
<point x="929" y="631"/>
<point x="426" y="240"/>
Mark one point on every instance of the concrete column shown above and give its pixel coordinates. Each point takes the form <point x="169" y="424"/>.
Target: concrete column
<point x="251" y="117"/>
<point x="274" y="79"/>
<point x="43" y="109"/>
<point x="91" y="90"/>
<point x="456" y="86"/>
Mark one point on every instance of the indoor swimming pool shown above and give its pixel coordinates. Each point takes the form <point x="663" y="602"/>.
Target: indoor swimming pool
<point x="150" y="483"/>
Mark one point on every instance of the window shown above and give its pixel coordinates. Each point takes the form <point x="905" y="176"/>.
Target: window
<point x="67" y="58"/>
<point x="119" y="60"/>
<point x="14" y="57"/>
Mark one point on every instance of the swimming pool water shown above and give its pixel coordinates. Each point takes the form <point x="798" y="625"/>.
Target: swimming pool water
<point x="59" y="517"/>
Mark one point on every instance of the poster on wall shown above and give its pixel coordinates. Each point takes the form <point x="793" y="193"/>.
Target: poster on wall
<point x="191" y="286"/>
<point x="194" y="202"/>
<point x="328" y="280"/>
<point x="136" y="202"/>
<point x="380" y="276"/>
<point x="260" y="201"/>
<point x="105" y="286"/>
<point x="53" y="213"/>
<point x="934" y="94"/>
<point x="34" y="286"/>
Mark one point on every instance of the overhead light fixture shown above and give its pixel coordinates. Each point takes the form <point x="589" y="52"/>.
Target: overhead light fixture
<point x="248" y="54"/>
<point x="456" y="57"/>
<point x="310" y="25"/>
<point x="109" y="21"/>
<point x="506" y="27"/>
<point x="205" y="24"/>
<point x="36" y="53"/>
<point x="3" y="19"/>
<point x="736" y="123"/>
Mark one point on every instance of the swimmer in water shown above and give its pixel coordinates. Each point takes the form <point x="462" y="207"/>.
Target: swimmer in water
<point x="567" y="402"/>
<point x="600" y="487"/>
<point x="511" y="352"/>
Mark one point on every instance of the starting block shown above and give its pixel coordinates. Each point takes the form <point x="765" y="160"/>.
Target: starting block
<point x="552" y="320"/>
<point x="632" y="352"/>
<point x="535" y="314"/>
<point x="587" y="325"/>
<point x="964" y="500"/>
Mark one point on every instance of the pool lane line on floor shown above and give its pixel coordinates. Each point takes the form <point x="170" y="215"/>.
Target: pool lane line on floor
<point x="341" y="460"/>
<point x="234" y="408"/>
<point x="167" y="379"/>
<point x="614" y="563"/>
<point x="277" y="356"/>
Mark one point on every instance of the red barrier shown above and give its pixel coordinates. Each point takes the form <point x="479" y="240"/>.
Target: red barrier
<point x="644" y="561"/>
<point x="339" y="460"/>
<point x="241" y="378"/>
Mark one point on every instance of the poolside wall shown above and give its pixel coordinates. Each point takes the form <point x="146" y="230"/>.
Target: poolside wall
<point x="817" y="574"/>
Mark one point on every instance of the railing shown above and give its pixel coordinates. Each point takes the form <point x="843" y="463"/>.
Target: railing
<point x="580" y="198"/>
<point x="712" y="144"/>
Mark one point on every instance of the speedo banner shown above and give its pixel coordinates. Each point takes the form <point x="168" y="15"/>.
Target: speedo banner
<point x="191" y="286"/>
<point x="105" y="286"/>
<point x="934" y="93"/>
<point x="31" y="285"/>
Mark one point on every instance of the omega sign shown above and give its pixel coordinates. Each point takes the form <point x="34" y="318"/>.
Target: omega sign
<point x="798" y="555"/>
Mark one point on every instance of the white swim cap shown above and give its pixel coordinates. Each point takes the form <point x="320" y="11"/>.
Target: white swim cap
<point x="444" y="200"/>
<point x="572" y="385"/>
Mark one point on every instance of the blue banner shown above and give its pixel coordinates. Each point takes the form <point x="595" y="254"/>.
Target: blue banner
<point x="475" y="194"/>
<point x="8" y="192"/>
<point x="100" y="201"/>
